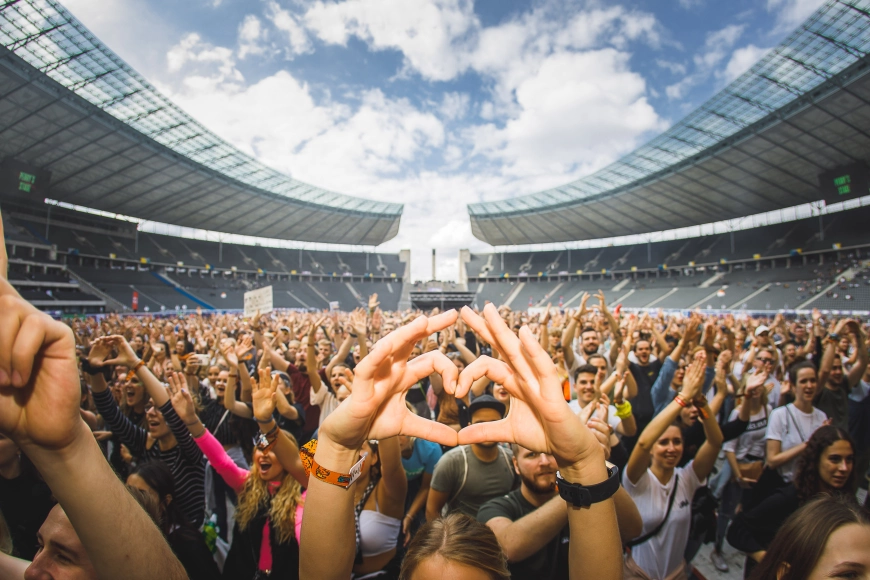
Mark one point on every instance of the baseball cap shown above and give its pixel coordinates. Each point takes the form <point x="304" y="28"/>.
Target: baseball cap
<point x="761" y="329"/>
<point x="486" y="402"/>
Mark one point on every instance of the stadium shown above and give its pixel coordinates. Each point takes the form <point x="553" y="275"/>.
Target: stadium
<point x="665" y="316"/>
<point x="95" y="135"/>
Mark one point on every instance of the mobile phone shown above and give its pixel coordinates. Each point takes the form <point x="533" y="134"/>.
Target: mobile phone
<point x="202" y="359"/>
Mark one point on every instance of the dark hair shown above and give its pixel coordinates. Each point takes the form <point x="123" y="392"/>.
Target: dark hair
<point x="794" y="369"/>
<point x="587" y="368"/>
<point x="800" y="542"/>
<point x="159" y="478"/>
<point x="807" y="480"/>
<point x="588" y="329"/>
<point x="460" y="539"/>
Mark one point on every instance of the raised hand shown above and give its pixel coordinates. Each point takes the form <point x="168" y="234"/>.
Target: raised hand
<point x="756" y="381"/>
<point x="229" y="352"/>
<point x="264" y="396"/>
<point x="539" y="419"/>
<point x="39" y="380"/>
<point x="694" y="378"/>
<point x="244" y="345"/>
<point x="376" y="409"/>
<point x="4" y="258"/>
<point x="126" y="355"/>
<point x="180" y="398"/>
<point x="373" y="302"/>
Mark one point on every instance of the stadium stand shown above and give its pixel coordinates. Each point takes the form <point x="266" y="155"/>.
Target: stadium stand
<point x="780" y="266"/>
<point x="170" y="273"/>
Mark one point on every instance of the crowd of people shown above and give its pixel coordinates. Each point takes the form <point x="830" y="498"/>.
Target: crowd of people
<point x="590" y="443"/>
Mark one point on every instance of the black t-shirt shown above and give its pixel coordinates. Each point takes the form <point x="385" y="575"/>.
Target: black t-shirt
<point x="835" y="403"/>
<point x="25" y="502"/>
<point x="644" y="376"/>
<point x="548" y="563"/>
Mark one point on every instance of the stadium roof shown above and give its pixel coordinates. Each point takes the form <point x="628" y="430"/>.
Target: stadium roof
<point x="756" y="146"/>
<point x="112" y="142"/>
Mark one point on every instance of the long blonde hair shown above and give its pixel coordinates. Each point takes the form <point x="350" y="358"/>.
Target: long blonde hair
<point x="282" y="511"/>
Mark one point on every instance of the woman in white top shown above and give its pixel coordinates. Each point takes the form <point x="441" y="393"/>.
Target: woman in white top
<point x="790" y="427"/>
<point x="652" y="476"/>
<point x="745" y="456"/>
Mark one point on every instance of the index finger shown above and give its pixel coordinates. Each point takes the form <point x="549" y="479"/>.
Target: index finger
<point x="4" y="258"/>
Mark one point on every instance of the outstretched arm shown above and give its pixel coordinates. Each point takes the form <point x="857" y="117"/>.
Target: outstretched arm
<point x="39" y="410"/>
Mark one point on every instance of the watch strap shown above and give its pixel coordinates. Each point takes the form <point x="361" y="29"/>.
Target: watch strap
<point x="586" y="495"/>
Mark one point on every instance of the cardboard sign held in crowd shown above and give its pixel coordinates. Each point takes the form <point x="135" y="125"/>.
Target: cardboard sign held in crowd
<point x="258" y="300"/>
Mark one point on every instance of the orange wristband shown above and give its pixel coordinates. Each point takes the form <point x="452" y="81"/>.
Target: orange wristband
<point x="312" y="468"/>
<point x="134" y="370"/>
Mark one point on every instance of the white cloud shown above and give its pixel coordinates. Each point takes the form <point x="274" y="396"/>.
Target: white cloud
<point x="674" y="67"/>
<point x="689" y="4"/>
<point x="250" y="36"/>
<point x="717" y="45"/>
<point x="579" y="111"/>
<point x="288" y="23"/>
<point x="791" y="13"/>
<point x="741" y="61"/>
<point x="425" y="31"/>
<point x="454" y="105"/>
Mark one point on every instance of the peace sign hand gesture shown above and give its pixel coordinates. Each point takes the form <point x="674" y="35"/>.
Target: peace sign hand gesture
<point x="539" y="419"/>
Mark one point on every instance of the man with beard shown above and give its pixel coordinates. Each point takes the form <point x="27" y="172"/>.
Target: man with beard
<point x="531" y="522"/>
<point x="468" y="476"/>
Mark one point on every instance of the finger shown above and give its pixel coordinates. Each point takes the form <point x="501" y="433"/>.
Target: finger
<point x="426" y="364"/>
<point x="8" y="332"/>
<point x="274" y="386"/>
<point x="495" y="370"/>
<point x="24" y="351"/>
<point x="508" y="342"/>
<point x="538" y="359"/>
<point x="492" y="431"/>
<point x="414" y="426"/>
<point x="391" y="345"/>
<point x="478" y="324"/>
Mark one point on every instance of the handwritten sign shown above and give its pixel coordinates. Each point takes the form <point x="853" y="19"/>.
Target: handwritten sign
<point x="258" y="300"/>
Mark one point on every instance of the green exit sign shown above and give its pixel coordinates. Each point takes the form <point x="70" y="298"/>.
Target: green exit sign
<point x="843" y="184"/>
<point x="26" y="181"/>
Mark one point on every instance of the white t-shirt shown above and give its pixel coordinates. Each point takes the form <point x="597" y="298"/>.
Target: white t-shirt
<point x="662" y="554"/>
<point x="859" y="392"/>
<point x="791" y="427"/>
<point x="325" y="400"/>
<point x="752" y="441"/>
<point x="612" y="419"/>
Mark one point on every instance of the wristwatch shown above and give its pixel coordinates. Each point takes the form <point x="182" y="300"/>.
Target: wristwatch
<point x="586" y="495"/>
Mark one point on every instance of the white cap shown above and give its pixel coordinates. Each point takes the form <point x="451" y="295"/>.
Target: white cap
<point x="761" y="329"/>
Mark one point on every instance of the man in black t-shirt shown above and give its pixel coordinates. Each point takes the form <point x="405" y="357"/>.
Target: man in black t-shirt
<point x="645" y="372"/>
<point x="536" y="547"/>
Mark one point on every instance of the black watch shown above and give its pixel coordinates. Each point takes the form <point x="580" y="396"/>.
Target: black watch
<point x="586" y="495"/>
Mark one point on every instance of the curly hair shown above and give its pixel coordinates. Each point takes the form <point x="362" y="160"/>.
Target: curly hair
<point x="255" y="495"/>
<point x="807" y="480"/>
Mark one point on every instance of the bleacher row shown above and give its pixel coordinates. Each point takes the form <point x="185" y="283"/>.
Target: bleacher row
<point x="772" y="268"/>
<point x="797" y="287"/>
<point x="91" y="267"/>
<point x="847" y="228"/>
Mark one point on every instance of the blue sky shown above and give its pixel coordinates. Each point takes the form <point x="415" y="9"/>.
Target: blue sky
<point x="438" y="103"/>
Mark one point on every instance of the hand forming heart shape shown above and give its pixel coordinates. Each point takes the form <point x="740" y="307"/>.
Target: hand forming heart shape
<point x="538" y="419"/>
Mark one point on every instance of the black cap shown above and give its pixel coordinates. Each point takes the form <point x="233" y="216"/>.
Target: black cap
<point x="486" y="402"/>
